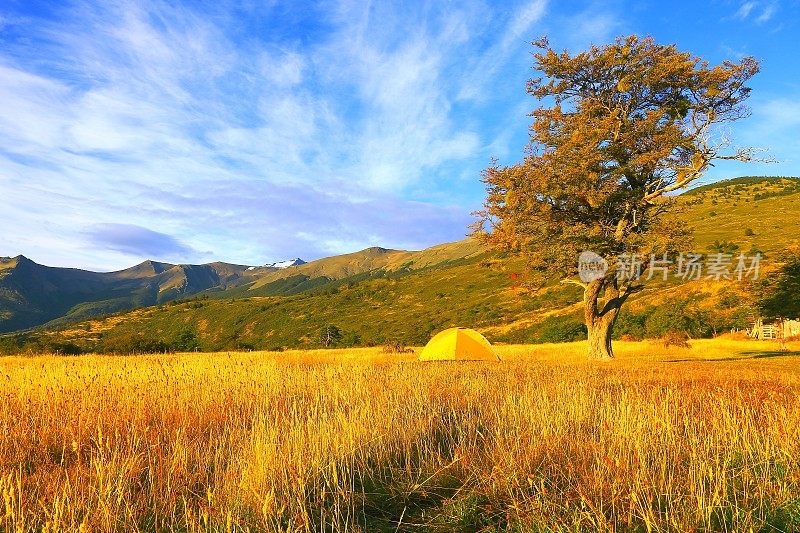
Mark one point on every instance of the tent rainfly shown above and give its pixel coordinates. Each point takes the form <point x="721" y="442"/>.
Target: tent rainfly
<point x="458" y="344"/>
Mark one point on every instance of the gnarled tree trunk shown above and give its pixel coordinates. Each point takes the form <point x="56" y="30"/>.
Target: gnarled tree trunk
<point x="600" y="320"/>
<point x="599" y="335"/>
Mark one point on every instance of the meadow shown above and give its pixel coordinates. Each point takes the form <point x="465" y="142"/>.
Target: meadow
<point x="699" y="439"/>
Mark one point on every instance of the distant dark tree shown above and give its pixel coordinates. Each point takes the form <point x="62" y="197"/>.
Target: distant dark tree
<point x="351" y="338"/>
<point x="187" y="341"/>
<point x="65" y="348"/>
<point x="11" y="344"/>
<point x="684" y="316"/>
<point x="561" y="329"/>
<point x="724" y="247"/>
<point x="330" y="336"/>
<point x="131" y="343"/>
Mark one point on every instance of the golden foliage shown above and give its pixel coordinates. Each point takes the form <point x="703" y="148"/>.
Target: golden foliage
<point x="620" y="126"/>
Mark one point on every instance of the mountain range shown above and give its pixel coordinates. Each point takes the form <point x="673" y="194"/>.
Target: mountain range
<point x="32" y="294"/>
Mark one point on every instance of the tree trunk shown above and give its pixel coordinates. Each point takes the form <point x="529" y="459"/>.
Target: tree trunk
<point x="781" y="336"/>
<point x="600" y="321"/>
<point x="599" y="335"/>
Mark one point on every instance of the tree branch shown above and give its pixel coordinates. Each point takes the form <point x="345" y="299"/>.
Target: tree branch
<point x="575" y="282"/>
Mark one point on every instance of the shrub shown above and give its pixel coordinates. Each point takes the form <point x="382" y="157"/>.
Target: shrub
<point x="186" y="341"/>
<point x="630" y="324"/>
<point x="677" y="315"/>
<point x="729" y="299"/>
<point x="350" y="339"/>
<point x="422" y="334"/>
<point x="724" y="247"/>
<point x="65" y="348"/>
<point x="561" y="329"/>
<point x="130" y="343"/>
<point x="11" y="344"/>
<point x="675" y="338"/>
<point x="396" y="347"/>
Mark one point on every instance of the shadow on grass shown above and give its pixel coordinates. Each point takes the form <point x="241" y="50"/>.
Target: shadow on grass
<point x="443" y="505"/>
<point x="742" y="356"/>
<point x="406" y="493"/>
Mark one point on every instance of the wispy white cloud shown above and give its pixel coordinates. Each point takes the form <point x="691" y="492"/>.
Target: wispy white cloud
<point x="778" y="113"/>
<point x="760" y="12"/>
<point x="744" y="10"/>
<point x="283" y="69"/>
<point x="767" y="14"/>
<point x="594" y="25"/>
<point x="516" y="32"/>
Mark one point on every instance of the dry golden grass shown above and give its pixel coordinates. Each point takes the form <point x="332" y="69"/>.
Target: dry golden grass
<point x="706" y="438"/>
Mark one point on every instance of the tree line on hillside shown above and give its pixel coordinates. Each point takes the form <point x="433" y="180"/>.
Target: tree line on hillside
<point x="124" y="344"/>
<point x="188" y="340"/>
<point x="763" y="186"/>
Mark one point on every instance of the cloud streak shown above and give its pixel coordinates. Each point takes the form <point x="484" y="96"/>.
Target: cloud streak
<point x="138" y="241"/>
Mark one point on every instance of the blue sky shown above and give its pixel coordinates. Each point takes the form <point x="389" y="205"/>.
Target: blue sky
<point x="252" y="132"/>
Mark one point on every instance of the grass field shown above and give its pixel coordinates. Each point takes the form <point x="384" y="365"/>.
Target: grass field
<point x="706" y="438"/>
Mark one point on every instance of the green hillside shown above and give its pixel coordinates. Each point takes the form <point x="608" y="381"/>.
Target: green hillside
<point x="380" y="295"/>
<point x="372" y="260"/>
<point x="751" y="212"/>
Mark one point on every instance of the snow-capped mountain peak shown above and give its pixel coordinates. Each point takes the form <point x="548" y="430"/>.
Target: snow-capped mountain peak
<point x="281" y="264"/>
<point x="286" y="264"/>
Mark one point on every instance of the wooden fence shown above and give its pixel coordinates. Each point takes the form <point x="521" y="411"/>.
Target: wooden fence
<point x="761" y="331"/>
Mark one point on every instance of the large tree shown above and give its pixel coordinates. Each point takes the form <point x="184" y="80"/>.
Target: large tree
<point x="618" y="128"/>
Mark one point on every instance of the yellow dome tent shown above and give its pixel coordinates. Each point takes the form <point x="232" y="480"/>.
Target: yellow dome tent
<point x="458" y="344"/>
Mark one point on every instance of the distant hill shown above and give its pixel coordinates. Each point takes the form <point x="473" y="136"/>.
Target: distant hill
<point x="379" y="294"/>
<point x="752" y="212"/>
<point x="761" y="185"/>
<point x="32" y="294"/>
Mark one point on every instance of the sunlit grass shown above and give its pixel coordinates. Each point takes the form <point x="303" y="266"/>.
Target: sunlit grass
<point x="357" y="440"/>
